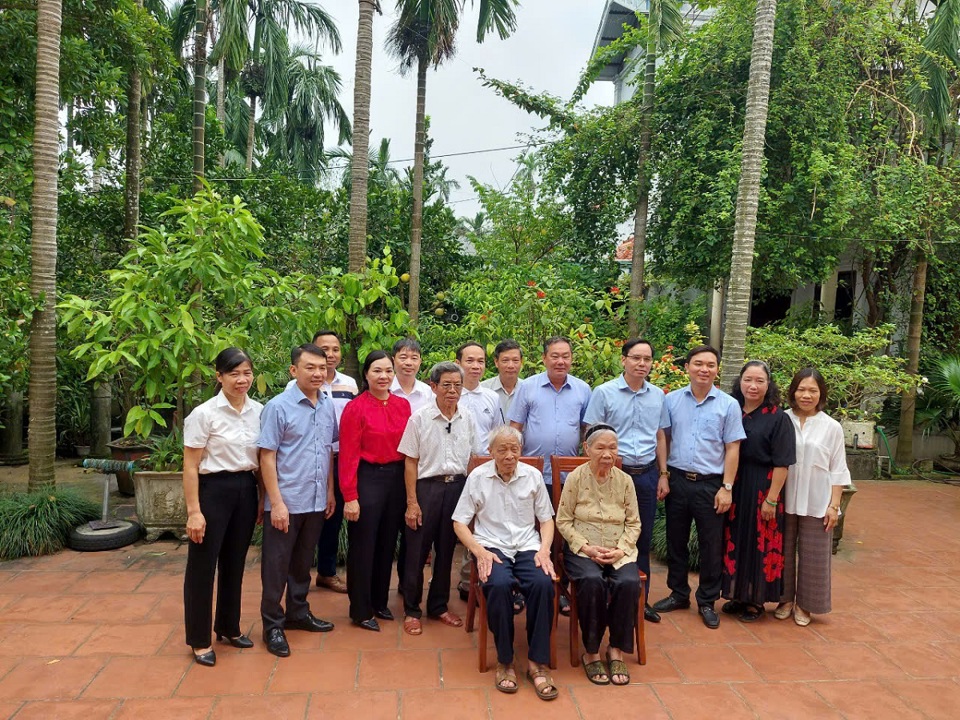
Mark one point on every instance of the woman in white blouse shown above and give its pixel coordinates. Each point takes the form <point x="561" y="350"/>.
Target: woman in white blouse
<point x="220" y="488"/>
<point x="812" y="500"/>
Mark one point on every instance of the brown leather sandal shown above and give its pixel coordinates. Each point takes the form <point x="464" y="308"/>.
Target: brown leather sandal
<point x="412" y="626"/>
<point x="546" y="690"/>
<point x="506" y="673"/>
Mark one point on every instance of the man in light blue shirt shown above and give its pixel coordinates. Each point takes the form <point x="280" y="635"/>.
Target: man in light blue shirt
<point x="706" y="428"/>
<point x="297" y="431"/>
<point x="637" y="411"/>
<point x="549" y="407"/>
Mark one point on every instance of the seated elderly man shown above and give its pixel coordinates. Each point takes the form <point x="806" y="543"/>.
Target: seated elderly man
<point x="505" y="497"/>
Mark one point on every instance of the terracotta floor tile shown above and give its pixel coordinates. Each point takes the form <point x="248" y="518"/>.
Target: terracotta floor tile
<point x="7" y="598"/>
<point x="659" y="668"/>
<point x="695" y="702"/>
<point x="350" y="637"/>
<point x="937" y="626"/>
<point x="919" y="660"/>
<point x="234" y="674"/>
<point x="437" y="635"/>
<point x="53" y="608"/>
<point x="786" y="701"/>
<point x="45" y="640"/>
<point x="118" y="581"/>
<point x="938" y="699"/>
<point x="704" y="663"/>
<point x="68" y="710"/>
<point x="666" y="632"/>
<point x="458" y="668"/>
<point x="49" y="678"/>
<point x="117" y="607"/>
<point x="865" y="700"/>
<point x="316" y="672"/>
<point x="31" y="582"/>
<point x="602" y="703"/>
<point x="165" y="709"/>
<point x="8" y="709"/>
<point x="132" y="677"/>
<point x="470" y="704"/>
<point x="848" y="627"/>
<point x="771" y="630"/>
<point x="399" y="669"/>
<point x="730" y="631"/>
<point x="854" y="661"/>
<point x="360" y="705"/>
<point x="525" y="704"/>
<point x="162" y="582"/>
<point x="139" y="639"/>
<point x="7" y="664"/>
<point x="280" y="707"/>
<point x="783" y="662"/>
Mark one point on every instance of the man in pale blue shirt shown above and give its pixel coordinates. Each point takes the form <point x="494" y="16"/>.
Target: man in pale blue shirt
<point x="706" y="428"/>
<point x="637" y="411"/>
<point x="508" y="357"/>
<point x="549" y="407"/>
<point x="297" y="431"/>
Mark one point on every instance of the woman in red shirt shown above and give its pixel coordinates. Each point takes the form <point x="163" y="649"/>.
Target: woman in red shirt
<point x="371" y="480"/>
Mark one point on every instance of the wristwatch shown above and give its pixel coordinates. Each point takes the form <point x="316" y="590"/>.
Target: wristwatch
<point x="728" y="486"/>
<point x="837" y="508"/>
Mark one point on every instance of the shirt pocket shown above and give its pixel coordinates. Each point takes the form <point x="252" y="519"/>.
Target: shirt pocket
<point x="818" y="456"/>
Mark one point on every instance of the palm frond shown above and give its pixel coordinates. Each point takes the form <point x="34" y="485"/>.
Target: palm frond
<point x="497" y="15"/>
<point x="233" y="44"/>
<point x="942" y="53"/>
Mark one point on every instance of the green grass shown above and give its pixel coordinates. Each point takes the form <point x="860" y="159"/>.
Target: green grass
<point x="38" y="523"/>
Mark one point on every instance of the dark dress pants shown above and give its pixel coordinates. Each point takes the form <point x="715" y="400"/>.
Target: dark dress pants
<point x="646" y="486"/>
<point x="437" y="502"/>
<point x="228" y="502"/>
<point x="607" y="597"/>
<point x="537" y="589"/>
<point x="692" y="502"/>
<point x="285" y="563"/>
<point x="329" y="541"/>
<point x="373" y="538"/>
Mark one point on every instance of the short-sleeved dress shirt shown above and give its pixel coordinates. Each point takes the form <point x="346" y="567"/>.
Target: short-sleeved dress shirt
<point x="636" y="416"/>
<point x="342" y="390"/>
<point x="228" y="438"/>
<point x="484" y="405"/>
<point x="699" y="431"/>
<point x="505" y="398"/>
<point x="821" y="464"/>
<point x="421" y="396"/>
<point x="441" y="445"/>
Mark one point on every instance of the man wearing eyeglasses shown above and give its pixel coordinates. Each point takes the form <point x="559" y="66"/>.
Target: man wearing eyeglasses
<point x="636" y="410"/>
<point x="437" y="443"/>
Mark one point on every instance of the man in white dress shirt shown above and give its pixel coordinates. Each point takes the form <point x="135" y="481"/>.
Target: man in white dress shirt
<point x="508" y="357"/>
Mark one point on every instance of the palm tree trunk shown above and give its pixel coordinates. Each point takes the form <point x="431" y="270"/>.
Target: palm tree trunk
<point x="43" y="249"/>
<point x="643" y="190"/>
<point x="251" y="129"/>
<point x="908" y="404"/>
<point x="748" y="193"/>
<point x="131" y="187"/>
<point x="416" y="220"/>
<point x="199" y="94"/>
<point x="359" y="164"/>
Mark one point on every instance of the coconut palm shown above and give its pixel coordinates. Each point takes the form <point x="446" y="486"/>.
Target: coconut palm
<point x="748" y="192"/>
<point x="424" y="34"/>
<point x="199" y="92"/>
<point x="43" y="248"/>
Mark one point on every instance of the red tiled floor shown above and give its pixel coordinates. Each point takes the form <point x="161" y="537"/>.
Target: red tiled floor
<point x="634" y="701"/>
<point x="354" y="706"/>
<point x="694" y="702"/>
<point x="118" y="581"/>
<point x="117" y="607"/>
<point x="53" y="608"/>
<point x="135" y="677"/>
<point x="49" y="678"/>
<point x="165" y="709"/>
<point x="786" y="701"/>
<point x="783" y="662"/>
<point x="706" y="663"/>
<point x="935" y="698"/>
<point x="139" y="639"/>
<point x="854" y="661"/>
<point x="68" y="710"/>
<point x="399" y="669"/>
<point x="919" y="660"/>
<point x="45" y="640"/>
<point x="430" y="705"/>
<point x="865" y="700"/>
<point x="278" y="707"/>
<point x="315" y="672"/>
<point x="239" y="674"/>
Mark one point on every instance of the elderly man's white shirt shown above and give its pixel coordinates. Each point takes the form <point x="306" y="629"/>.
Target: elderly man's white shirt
<point x="441" y="446"/>
<point x="484" y="405"/>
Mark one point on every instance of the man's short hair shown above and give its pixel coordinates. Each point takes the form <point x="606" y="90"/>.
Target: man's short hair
<point x="553" y="340"/>
<point x="442" y="368"/>
<point x="407" y="343"/>
<point x="504" y="345"/>
<point x="468" y="345"/>
<point x="501" y="432"/>
<point x="701" y="349"/>
<point x="309" y="348"/>
<point x="632" y="343"/>
<point x="322" y="333"/>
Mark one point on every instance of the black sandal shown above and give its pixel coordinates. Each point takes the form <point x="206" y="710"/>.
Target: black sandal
<point x="518" y="602"/>
<point x="751" y="613"/>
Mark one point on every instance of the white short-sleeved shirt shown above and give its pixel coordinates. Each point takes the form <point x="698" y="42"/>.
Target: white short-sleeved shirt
<point x="821" y="464"/>
<point x="421" y="396"/>
<point x="484" y="405"/>
<point x="505" y="511"/>
<point x="442" y="446"/>
<point x="228" y="438"/>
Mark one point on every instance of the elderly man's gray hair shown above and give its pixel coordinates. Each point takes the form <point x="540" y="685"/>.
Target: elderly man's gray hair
<point x="504" y="432"/>
<point x="442" y="368"/>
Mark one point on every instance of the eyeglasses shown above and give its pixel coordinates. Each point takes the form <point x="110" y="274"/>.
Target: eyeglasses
<point x="639" y="358"/>
<point x="451" y="386"/>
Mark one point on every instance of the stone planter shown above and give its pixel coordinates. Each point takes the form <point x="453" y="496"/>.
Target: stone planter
<point x="859" y="434"/>
<point x="125" y="452"/>
<point x="848" y="493"/>
<point x="161" y="506"/>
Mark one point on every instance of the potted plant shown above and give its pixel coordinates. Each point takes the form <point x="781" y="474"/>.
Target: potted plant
<point x="938" y="408"/>
<point x="158" y="485"/>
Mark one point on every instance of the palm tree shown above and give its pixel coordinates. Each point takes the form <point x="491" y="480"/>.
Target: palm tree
<point x="131" y="182"/>
<point x="664" y="25"/>
<point x="199" y="92"/>
<point x="748" y="192"/>
<point x="43" y="248"/>
<point x="424" y="34"/>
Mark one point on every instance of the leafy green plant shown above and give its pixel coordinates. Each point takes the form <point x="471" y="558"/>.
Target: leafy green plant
<point x="938" y="409"/>
<point x="166" y="453"/>
<point x="658" y="543"/>
<point x="38" y="523"/>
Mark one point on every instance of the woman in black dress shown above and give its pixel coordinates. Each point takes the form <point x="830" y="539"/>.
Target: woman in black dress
<point x="753" y="527"/>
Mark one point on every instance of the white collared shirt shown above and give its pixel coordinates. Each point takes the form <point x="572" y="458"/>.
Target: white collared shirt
<point x="421" y="396"/>
<point x="228" y="438"/>
<point x="505" y="511"/>
<point x="441" y="445"/>
<point x="821" y="464"/>
<point x="484" y="405"/>
<point x="503" y="395"/>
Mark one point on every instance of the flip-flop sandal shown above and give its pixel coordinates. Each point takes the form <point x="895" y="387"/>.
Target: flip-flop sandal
<point x="617" y="667"/>
<point x="448" y="618"/>
<point x="518" y="603"/>
<point x="564" y="606"/>
<point x="412" y="626"/>
<point x="546" y="690"/>
<point x="595" y="670"/>
<point x="750" y="614"/>
<point x="733" y="607"/>
<point x="506" y="674"/>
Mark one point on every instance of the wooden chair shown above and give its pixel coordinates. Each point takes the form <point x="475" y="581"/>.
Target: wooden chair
<point x="563" y="464"/>
<point x="476" y="599"/>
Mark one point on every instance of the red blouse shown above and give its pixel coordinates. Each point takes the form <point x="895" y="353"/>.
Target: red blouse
<point x="370" y="429"/>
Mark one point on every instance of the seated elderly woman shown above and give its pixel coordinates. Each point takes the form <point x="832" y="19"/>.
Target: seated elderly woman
<point x="599" y="520"/>
<point x="505" y="497"/>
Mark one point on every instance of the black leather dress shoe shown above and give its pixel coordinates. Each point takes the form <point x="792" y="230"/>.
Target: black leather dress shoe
<point x="384" y="614"/>
<point x="651" y="615"/>
<point x="207" y="659"/>
<point x="309" y="623"/>
<point x="276" y="642"/>
<point x="369" y="624"/>
<point x="710" y="617"/>
<point x="669" y="604"/>
<point x="241" y="641"/>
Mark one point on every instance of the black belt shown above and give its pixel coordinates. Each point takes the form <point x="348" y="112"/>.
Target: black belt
<point x="695" y="477"/>
<point x="445" y="478"/>
<point x="638" y="469"/>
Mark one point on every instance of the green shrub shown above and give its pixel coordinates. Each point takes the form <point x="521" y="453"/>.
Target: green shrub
<point x="38" y="523"/>
<point x="659" y="540"/>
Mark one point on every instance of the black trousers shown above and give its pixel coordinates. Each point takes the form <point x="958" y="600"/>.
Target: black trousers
<point x="329" y="541"/>
<point x="692" y="502"/>
<point x="373" y="538"/>
<point x="646" y="486"/>
<point x="537" y="590"/>
<point x="228" y="502"/>
<point x="606" y="598"/>
<point x="437" y="502"/>
<point x="285" y="564"/>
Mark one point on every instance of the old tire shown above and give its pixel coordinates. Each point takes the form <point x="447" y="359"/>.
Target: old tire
<point x="86" y="540"/>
